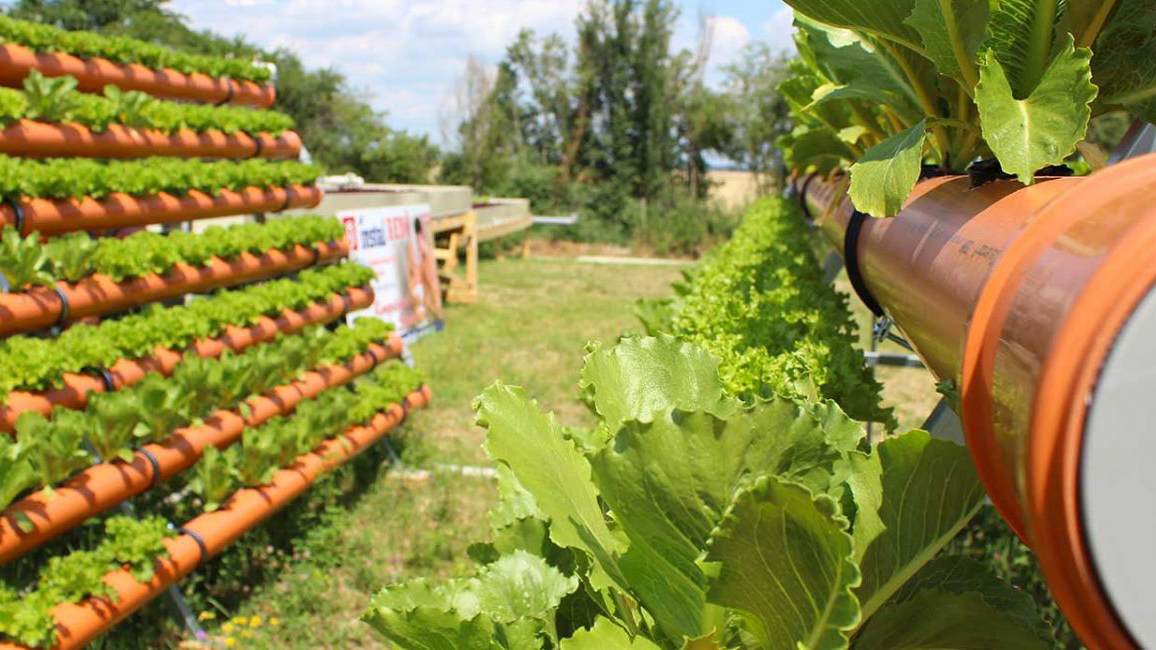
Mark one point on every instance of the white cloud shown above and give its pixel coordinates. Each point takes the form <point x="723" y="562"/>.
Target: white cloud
<point x="779" y="29"/>
<point x="407" y="54"/>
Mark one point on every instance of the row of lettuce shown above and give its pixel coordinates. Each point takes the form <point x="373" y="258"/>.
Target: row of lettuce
<point x="138" y="543"/>
<point x="119" y="49"/>
<point x="27" y="261"/>
<point x="724" y="499"/>
<point x="55" y="100"/>
<point x="77" y="178"/>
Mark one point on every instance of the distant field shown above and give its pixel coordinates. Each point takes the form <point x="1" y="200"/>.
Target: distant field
<point x="733" y="189"/>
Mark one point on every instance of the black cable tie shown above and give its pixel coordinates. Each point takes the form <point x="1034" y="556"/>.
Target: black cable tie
<point x="316" y="255"/>
<point x="288" y="198"/>
<point x="851" y="261"/>
<point x="260" y="145"/>
<point x="156" y="465"/>
<point x="20" y="217"/>
<point x="65" y="310"/>
<point x="200" y="543"/>
<point x="373" y="354"/>
<point x="105" y="376"/>
<point x="228" y="95"/>
<point x="803" y="196"/>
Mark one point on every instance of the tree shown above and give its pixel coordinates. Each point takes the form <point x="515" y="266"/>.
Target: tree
<point x="482" y="141"/>
<point x="761" y="114"/>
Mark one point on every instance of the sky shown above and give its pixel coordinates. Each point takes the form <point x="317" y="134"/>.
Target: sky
<point x="406" y="55"/>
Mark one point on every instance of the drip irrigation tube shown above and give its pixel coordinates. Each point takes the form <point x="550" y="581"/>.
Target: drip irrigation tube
<point x="38" y="518"/>
<point x="93" y="74"/>
<point x="32" y="139"/>
<point x="75" y="387"/>
<point x="119" y="210"/>
<point x="1040" y="303"/>
<point x="79" y="623"/>
<point x="41" y="307"/>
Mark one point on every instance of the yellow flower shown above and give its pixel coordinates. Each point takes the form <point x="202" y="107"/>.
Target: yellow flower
<point x="240" y="620"/>
<point x="227" y="627"/>
<point x="274" y="621"/>
<point x="206" y="616"/>
<point x="230" y="642"/>
<point x="255" y="621"/>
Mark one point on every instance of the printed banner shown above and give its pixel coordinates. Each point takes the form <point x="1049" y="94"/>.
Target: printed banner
<point x="397" y="243"/>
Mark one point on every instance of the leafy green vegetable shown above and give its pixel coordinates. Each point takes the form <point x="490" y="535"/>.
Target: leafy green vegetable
<point x="1009" y="80"/>
<point x="76" y="178"/>
<point x="760" y="305"/>
<point x="784" y="559"/>
<point x="770" y="523"/>
<point x="33" y="363"/>
<point x="1042" y="128"/>
<point x="22" y="260"/>
<point x="887" y="172"/>
<point x="132" y="543"/>
<point x="120" y="49"/>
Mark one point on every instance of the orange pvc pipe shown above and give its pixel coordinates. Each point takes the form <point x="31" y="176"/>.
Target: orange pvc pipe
<point x="105" y="485"/>
<point x="92" y="75"/>
<point x="79" y="623"/>
<point x="74" y="389"/>
<point x="40" y="307"/>
<point x="118" y="210"/>
<point x="1018" y="294"/>
<point x="30" y="139"/>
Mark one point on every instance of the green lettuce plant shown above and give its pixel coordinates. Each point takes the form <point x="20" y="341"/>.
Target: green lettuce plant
<point x="885" y="86"/>
<point x="690" y="519"/>
<point x="119" y="49"/>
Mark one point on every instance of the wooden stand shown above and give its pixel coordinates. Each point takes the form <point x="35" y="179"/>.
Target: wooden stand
<point x="460" y="232"/>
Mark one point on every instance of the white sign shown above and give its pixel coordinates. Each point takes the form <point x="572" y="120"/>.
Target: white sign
<point x="397" y="243"/>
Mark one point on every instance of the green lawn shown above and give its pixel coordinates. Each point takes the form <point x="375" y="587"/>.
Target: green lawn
<point x="529" y="328"/>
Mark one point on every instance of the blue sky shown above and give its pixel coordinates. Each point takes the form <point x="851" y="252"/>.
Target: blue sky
<point x="406" y="55"/>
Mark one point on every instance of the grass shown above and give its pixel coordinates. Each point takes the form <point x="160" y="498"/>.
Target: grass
<point x="529" y="328"/>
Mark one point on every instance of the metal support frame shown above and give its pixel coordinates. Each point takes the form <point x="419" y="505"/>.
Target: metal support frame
<point x="181" y="610"/>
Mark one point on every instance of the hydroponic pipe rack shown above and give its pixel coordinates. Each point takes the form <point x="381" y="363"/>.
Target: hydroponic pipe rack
<point x="1038" y="303"/>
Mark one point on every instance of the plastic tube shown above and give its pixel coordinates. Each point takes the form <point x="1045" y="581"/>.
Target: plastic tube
<point x="32" y="139"/>
<point x="40" y="307"/>
<point x="92" y="75"/>
<point x="119" y="210"/>
<point x="1019" y="295"/>
<point x="79" y="623"/>
<point x="37" y="518"/>
<point x="75" y="387"/>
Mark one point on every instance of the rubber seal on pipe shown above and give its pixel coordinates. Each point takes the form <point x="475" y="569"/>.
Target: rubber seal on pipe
<point x="851" y="261"/>
<point x="229" y="94"/>
<point x="200" y="544"/>
<point x="65" y="310"/>
<point x="803" y="196"/>
<point x="18" y="210"/>
<point x="154" y="463"/>
<point x="288" y="198"/>
<point x="105" y="377"/>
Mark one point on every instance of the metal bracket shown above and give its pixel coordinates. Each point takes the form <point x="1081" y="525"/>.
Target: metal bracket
<point x="881" y="331"/>
<point x="944" y="424"/>
<point x="1139" y="140"/>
